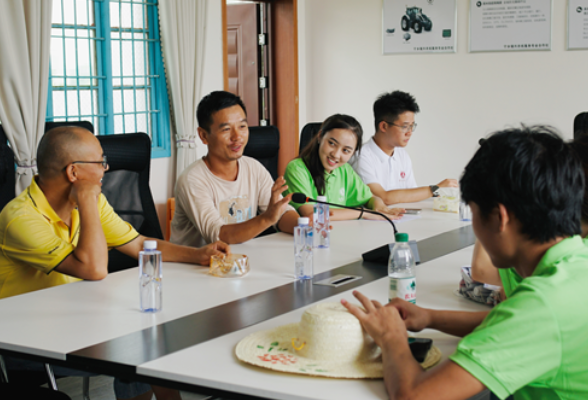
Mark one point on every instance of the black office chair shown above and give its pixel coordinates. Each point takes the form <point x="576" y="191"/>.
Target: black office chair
<point x="264" y="145"/>
<point x="309" y="131"/>
<point x="7" y="171"/>
<point x="12" y="391"/>
<point x="8" y="165"/>
<point x="126" y="186"/>
<point x="581" y="125"/>
<point x="24" y="384"/>
<point x="82" y="124"/>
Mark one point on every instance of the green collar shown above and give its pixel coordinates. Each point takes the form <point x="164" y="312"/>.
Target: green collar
<point x="335" y="173"/>
<point x="558" y="252"/>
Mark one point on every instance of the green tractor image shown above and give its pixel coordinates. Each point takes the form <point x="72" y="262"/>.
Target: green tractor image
<point x="416" y="20"/>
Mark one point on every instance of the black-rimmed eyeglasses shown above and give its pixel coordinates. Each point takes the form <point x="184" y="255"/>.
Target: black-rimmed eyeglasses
<point x="104" y="162"/>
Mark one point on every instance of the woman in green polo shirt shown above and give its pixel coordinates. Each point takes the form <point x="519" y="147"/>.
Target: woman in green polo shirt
<point x="322" y="170"/>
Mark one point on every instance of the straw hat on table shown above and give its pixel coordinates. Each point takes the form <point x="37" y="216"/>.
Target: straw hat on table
<point x="328" y="341"/>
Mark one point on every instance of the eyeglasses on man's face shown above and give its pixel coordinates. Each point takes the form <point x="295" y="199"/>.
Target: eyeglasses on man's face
<point x="104" y="163"/>
<point x="405" y="128"/>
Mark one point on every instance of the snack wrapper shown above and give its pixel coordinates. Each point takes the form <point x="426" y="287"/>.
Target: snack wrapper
<point x="476" y="291"/>
<point x="448" y="200"/>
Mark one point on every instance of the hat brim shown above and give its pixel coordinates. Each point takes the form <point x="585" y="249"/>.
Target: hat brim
<point x="273" y="349"/>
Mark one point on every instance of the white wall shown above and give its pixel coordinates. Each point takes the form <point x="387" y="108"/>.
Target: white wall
<point x="462" y="96"/>
<point x="163" y="170"/>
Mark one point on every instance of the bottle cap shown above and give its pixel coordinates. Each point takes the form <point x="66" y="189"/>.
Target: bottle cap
<point x="321" y="198"/>
<point x="401" y="237"/>
<point x="303" y="221"/>
<point x="149" y="245"/>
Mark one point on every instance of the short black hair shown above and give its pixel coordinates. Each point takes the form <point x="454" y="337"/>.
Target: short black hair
<point x="390" y="105"/>
<point x="213" y="102"/>
<point x="534" y="174"/>
<point x="581" y="125"/>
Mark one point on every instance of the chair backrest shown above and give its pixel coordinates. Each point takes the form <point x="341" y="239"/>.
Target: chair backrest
<point x="264" y="145"/>
<point x="308" y="132"/>
<point x="82" y="124"/>
<point x="7" y="160"/>
<point x="581" y="125"/>
<point x="126" y="186"/>
<point x="7" y="171"/>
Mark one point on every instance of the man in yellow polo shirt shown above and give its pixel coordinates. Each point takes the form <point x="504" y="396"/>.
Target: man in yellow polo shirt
<point x="60" y="228"/>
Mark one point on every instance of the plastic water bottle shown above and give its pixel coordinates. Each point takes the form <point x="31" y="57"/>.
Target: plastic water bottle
<point x="303" y="268"/>
<point x="150" y="277"/>
<point x="402" y="270"/>
<point x="321" y="224"/>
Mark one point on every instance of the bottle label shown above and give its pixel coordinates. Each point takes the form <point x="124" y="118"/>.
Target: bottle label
<point x="303" y="252"/>
<point x="320" y="215"/>
<point x="404" y="288"/>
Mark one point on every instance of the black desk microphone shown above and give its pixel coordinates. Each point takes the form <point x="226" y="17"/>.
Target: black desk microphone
<point x="301" y="198"/>
<point x="379" y="255"/>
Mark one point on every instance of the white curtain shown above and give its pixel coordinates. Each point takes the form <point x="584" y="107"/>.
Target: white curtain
<point x="25" y="32"/>
<point x="183" y="31"/>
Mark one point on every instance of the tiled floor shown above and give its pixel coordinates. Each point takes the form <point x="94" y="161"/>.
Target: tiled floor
<point x="101" y="389"/>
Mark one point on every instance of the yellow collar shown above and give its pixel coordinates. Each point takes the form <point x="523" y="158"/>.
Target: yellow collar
<point x="40" y="202"/>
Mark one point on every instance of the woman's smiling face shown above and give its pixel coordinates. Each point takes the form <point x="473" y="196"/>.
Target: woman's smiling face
<point x="336" y="148"/>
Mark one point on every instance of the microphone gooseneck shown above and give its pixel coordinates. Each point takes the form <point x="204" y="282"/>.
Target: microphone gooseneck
<point x="302" y="198"/>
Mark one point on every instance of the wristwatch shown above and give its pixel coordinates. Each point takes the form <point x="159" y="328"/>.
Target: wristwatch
<point x="434" y="189"/>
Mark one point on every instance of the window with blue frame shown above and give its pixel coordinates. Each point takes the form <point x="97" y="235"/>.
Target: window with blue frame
<point x="106" y="67"/>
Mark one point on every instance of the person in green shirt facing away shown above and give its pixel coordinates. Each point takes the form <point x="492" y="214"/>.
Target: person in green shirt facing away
<point x="322" y="170"/>
<point x="482" y="268"/>
<point x="525" y="188"/>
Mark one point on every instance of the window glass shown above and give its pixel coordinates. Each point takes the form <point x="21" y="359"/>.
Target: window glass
<point x="106" y="68"/>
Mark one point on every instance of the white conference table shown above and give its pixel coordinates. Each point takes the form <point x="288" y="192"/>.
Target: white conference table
<point x="54" y="323"/>
<point x="213" y="364"/>
<point x="63" y="319"/>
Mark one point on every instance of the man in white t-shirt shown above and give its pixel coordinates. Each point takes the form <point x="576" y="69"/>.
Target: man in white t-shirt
<point x="383" y="163"/>
<point x="225" y="195"/>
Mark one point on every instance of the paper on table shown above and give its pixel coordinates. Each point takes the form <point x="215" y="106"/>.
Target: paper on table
<point x="407" y="217"/>
<point x="404" y="218"/>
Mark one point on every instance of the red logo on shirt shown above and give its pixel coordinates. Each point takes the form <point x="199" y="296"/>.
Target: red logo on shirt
<point x="403" y="175"/>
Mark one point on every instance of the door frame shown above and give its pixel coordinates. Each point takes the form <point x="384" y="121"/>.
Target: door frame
<point x="284" y="109"/>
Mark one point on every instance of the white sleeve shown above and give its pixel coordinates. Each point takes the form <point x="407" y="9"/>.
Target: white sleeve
<point x="195" y="198"/>
<point x="365" y="168"/>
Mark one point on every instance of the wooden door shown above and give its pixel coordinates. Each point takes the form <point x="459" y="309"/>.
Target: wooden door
<point x="242" y="53"/>
<point x="281" y="105"/>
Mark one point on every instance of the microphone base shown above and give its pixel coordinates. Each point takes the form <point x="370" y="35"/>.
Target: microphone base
<point x="381" y="255"/>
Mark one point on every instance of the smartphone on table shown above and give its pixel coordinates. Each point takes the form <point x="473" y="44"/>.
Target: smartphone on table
<point x="412" y="211"/>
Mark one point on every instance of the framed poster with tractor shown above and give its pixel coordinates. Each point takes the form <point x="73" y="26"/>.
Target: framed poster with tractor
<point x="419" y="26"/>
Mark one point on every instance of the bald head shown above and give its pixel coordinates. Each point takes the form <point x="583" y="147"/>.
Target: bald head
<point x="61" y="146"/>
